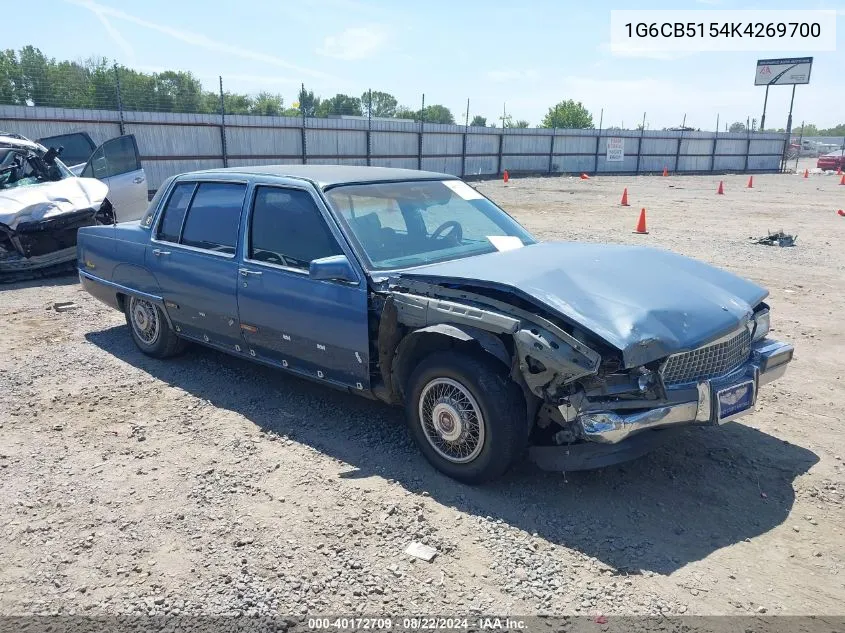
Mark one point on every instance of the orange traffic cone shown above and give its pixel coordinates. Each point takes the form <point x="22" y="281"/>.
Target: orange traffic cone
<point x="665" y="172"/>
<point x="505" y="176"/>
<point x="842" y="182"/>
<point x="584" y="177"/>
<point x="841" y="212"/>
<point x="751" y="182"/>
<point x="806" y="173"/>
<point x="624" y="202"/>
<point x="721" y="190"/>
<point x="641" y="224"/>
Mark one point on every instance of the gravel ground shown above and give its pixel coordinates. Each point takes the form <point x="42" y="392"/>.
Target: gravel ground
<point x="207" y="485"/>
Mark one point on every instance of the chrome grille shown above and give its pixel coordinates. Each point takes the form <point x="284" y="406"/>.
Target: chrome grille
<point x="708" y="361"/>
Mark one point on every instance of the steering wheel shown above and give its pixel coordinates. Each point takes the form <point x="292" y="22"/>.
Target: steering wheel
<point x="457" y="232"/>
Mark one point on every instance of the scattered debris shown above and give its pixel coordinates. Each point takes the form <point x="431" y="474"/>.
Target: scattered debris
<point x="419" y="550"/>
<point x="64" y="306"/>
<point x="777" y="239"/>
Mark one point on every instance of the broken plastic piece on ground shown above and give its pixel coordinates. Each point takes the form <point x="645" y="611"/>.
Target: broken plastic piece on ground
<point x="777" y="239"/>
<point x="421" y="551"/>
<point x="64" y="306"/>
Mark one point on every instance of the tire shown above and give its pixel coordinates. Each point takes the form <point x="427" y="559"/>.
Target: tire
<point x="150" y="330"/>
<point x="436" y="387"/>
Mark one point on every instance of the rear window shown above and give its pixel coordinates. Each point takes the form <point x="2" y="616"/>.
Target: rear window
<point x="147" y="220"/>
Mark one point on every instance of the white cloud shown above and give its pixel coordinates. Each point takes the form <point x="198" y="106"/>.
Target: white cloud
<point x="504" y="75"/>
<point x="196" y="39"/>
<point x="355" y="43"/>
<point x="114" y="34"/>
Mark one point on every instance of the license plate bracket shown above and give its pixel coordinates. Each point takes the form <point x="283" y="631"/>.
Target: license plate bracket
<point x="733" y="401"/>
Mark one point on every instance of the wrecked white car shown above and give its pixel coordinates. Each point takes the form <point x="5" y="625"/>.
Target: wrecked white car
<point x="43" y="203"/>
<point x="413" y="288"/>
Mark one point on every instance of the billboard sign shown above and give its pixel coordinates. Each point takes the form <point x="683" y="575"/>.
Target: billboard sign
<point x="615" y="149"/>
<point x="783" y="72"/>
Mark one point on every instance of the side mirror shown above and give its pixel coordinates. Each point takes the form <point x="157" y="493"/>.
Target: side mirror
<point x="333" y="268"/>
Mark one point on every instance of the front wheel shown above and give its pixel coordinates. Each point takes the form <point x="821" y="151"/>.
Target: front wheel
<point x="150" y="329"/>
<point x="466" y="416"/>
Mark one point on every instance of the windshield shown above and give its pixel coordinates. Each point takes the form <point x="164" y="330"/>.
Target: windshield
<point x="21" y="167"/>
<point x="411" y="223"/>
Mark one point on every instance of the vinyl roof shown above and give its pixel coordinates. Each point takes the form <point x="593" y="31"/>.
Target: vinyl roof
<point x="327" y="175"/>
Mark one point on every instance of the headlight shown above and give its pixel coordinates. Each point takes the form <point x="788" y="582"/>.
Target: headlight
<point x="761" y="325"/>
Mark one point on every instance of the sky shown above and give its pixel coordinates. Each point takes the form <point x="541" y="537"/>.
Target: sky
<point x="521" y="56"/>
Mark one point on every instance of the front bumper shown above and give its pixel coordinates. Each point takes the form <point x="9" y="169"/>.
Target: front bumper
<point x="693" y="404"/>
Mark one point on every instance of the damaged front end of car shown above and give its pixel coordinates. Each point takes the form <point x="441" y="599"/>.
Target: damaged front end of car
<point x="586" y="408"/>
<point x="42" y="205"/>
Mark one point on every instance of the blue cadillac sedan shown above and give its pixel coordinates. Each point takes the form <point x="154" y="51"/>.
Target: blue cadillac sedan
<point x="413" y="288"/>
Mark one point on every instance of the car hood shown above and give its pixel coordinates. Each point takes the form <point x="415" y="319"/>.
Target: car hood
<point x="44" y="201"/>
<point x="646" y="302"/>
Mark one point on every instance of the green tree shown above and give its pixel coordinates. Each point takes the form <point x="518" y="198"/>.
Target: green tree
<point x="266" y="104"/>
<point x="75" y="82"/>
<point x="339" y="104"/>
<point x="11" y="86"/>
<point x="384" y="104"/>
<point x="437" y="114"/>
<point x="174" y="91"/>
<point x="737" y="126"/>
<point x="404" y="112"/>
<point x="568" y="114"/>
<point x="478" y="121"/>
<point x="34" y="73"/>
<point x="809" y="130"/>
<point x="103" y="91"/>
<point x="837" y="130"/>
<point x="308" y="104"/>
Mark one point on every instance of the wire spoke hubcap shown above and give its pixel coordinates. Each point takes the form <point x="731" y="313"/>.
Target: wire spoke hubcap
<point x="145" y="320"/>
<point x="451" y="420"/>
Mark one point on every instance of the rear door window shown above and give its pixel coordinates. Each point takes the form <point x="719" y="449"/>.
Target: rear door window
<point x="214" y="216"/>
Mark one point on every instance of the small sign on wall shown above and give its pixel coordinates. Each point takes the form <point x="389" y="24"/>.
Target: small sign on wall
<point x="615" y="149"/>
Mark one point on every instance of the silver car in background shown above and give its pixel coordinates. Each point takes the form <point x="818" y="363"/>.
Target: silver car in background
<point x="43" y="201"/>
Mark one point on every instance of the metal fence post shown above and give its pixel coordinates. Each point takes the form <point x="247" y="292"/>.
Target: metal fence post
<point x="121" y="126"/>
<point x="715" y="143"/>
<point x="223" y="125"/>
<point x="464" y="144"/>
<point x="369" y="127"/>
<point x="302" y="129"/>
<point x="747" y="147"/>
<point x="640" y="146"/>
<point x="420" y="138"/>
<point x="598" y="142"/>
<point x="680" y="141"/>
<point x="501" y="145"/>
<point x="552" y="149"/>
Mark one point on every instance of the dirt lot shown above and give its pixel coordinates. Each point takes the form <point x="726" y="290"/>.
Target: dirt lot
<point x="208" y="485"/>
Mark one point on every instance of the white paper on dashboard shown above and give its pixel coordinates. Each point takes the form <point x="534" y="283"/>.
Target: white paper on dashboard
<point x="463" y="190"/>
<point x="505" y="242"/>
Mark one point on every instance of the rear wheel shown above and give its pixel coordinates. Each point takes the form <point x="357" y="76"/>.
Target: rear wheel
<point x="466" y="416"/>
<point x="150" y="329"/>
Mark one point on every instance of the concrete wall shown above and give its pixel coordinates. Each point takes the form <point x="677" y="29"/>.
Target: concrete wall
<point x="173" y="142"/>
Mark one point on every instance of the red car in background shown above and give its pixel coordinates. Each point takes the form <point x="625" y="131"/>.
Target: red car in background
<point x="834" y="160"/>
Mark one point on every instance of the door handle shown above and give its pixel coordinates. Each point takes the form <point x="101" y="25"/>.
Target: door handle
<point x="138" y="180"/>
<point x="245" y="272"/>
<point x="158" y="252"/>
